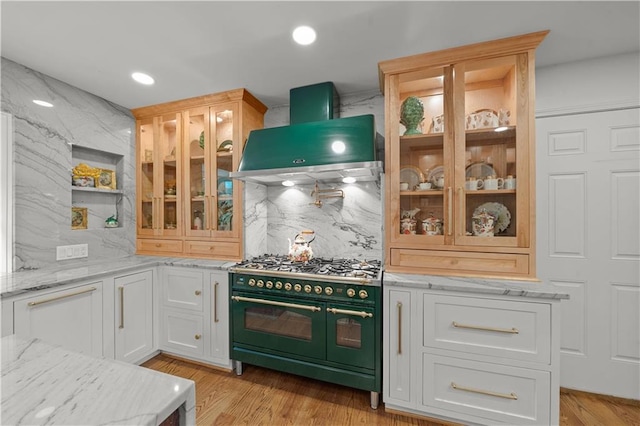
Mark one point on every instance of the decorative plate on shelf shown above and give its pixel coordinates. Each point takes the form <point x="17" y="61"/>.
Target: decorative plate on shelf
<point x="226" y="146"/>
<point x="225" y="187"/>
<point x="435" y="174"/>
<point x="479" y="170"/>
<point x="412" y="175"/>
<point x="497" y="210"/>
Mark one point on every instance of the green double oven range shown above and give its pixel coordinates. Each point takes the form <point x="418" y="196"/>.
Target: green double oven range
<point x="320" y="319"/>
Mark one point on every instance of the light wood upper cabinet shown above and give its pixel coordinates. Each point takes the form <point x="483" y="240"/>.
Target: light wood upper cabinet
<point x="477" y="108"/>
<point x="187" y="204"/>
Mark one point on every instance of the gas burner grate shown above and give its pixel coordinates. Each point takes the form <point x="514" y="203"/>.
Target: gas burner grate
<point x="321" y="266"/>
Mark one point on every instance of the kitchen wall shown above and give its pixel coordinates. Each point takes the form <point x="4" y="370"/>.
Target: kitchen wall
<point x="349" y="227"/>
<point x="43" y="140"/>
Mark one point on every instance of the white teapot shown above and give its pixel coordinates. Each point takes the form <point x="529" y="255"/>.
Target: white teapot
<point x="300" y="250"/>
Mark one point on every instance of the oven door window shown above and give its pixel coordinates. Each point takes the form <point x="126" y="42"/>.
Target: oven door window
<point x="351" y="335"/>
<point x="292" y="327"/>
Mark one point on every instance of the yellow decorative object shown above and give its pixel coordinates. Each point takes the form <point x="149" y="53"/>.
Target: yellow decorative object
<point x="84" y="170"/>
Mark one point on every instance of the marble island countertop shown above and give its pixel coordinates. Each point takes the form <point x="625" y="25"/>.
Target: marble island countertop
<point x="46" y="384"/>
<point x="529" y="289"/>
<point x="69" y="273"/>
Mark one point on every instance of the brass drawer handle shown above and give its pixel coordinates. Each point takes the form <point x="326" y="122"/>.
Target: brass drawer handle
<point x="197" y="336"/>
<point x="198" y="292"/>
<point x="485" y="392"/>
<point x="64" y="296"/>
<point x="362" y="314"/>
<point x="511" y="330"/>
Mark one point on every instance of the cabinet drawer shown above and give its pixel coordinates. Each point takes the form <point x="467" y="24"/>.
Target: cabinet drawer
<point x="183" y="333"/>
<point x="497" y="328"/>
<point x="213" y="249"/>
<point x="159" y="246"/>
<point x="183" y="288"/>
<point x="444" y="262"/>
<point x="491" y="391"/>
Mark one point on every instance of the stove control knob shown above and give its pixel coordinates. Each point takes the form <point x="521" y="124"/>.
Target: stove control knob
<point x="260" y="283"/>
<point x="287" y="286"/>
<point x="328" y="291"/>
<point x="307" y="288"/>
<point x="297" y="287"/>
<point x="351" y="292"/>
<point x="278" y="285"/>
<point x="363" y="294"/>
<point x="318" y="289"/>
<point x="252" y="282"/>
<point x="269" y="284"/>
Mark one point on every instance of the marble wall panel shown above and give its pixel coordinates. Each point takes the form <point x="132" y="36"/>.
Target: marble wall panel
<point x="43" y="140"/>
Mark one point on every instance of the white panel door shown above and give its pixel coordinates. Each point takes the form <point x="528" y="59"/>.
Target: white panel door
<point x="134" y="316"/>
<point x="588" y="192"/>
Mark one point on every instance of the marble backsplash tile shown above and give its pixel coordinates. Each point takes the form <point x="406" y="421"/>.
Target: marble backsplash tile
<point x="43" y="140"/>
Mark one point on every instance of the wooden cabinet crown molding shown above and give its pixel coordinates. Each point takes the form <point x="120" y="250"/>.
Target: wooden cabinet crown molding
<point x="213" y="98"/>
<point x="481" y="50"/>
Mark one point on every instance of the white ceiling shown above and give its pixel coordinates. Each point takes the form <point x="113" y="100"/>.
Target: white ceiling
<point x="196" y="48"/>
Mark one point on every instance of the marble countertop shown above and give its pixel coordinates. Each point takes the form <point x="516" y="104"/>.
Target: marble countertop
<point x="46" y="384"/>
<point x="69" y="273"/>
<point x="529" y="289"/>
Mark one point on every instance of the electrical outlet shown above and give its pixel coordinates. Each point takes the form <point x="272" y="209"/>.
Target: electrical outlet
<point x="72" y="252"/>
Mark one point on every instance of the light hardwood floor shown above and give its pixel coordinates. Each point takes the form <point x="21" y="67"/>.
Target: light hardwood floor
<point x="266" y="397"/>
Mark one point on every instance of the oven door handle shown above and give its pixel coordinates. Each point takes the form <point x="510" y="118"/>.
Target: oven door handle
<point x="275" y="303"/>
<point x="362" y="314"/>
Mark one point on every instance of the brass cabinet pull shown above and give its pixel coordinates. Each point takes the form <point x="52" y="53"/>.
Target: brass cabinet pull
<point x="273" y="302"/>
<point x="450" y="212"/>
<point x="461" y="201"/>
<point x="121" y="291"/>
<point x="213" y="222"/>
<point x="197" y="336"/>
<point x="399" y="306"/>
<point x="207" y="214"/>
<point x="215" y="302"/>
<point x="511" y="330"/>
<point x="362" y="314"/>
<point x="485" y="392"/>
<point x="64" y="296"/>
<point x="198" y="292"/>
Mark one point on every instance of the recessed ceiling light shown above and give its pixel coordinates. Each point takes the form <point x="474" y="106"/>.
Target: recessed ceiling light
<point x="288" y="183"/>
<point x="42" y="103"/>
<point x="304" y="35"/>
<point x="348" y="179"/>
<point x="143" y="78"/>
<point x="338" y="147"/>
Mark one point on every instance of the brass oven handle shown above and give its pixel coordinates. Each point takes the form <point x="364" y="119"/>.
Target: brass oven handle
<point x="273" y="302"/>
<point x="399" y="305"/>
<point x="511" y="330"/>
<point x="121" y="290"/>
<point x="450" y="212"/>
<point x="485" y="392"/>
<point x="215" y="302"/>
<point x="362" y="314"/>
<point x="461" y="201"/>
<point x="64" y="296"/>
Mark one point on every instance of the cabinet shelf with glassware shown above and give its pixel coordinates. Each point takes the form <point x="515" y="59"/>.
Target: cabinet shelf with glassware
<point x="187" y="204"/>
<point x="459" y="179"/>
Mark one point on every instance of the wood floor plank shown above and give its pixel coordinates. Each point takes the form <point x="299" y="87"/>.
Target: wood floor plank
<point x="266" y="397"/>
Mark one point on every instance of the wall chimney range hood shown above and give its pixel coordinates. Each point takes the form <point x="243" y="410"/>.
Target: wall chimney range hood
<point x="315" y="146"/>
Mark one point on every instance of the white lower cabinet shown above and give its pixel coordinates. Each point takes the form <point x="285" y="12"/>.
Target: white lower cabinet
<point x="133" y="316"/>
<point x="471" y="358"/>
<point x="71" y="317"/>
<point x="194" y="314"/>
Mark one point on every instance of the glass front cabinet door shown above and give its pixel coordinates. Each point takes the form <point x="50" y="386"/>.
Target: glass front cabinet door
<point x="460" y="160"/>
<point x="159" y="206"/>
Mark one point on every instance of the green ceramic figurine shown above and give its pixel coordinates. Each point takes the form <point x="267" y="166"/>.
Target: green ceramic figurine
<point x="411" y="115"/>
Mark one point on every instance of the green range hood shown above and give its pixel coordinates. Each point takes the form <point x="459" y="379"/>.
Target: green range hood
<point x="315" y="148"/>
